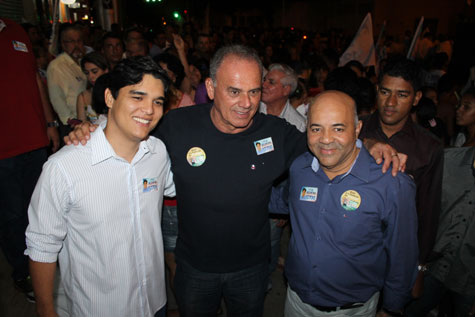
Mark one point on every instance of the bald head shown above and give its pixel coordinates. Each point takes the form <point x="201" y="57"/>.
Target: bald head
<point x="333" y="128"/>
<point x="334" y="98"/>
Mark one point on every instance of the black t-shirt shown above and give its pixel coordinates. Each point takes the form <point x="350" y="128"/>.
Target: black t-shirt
<point x="223" y="186"/>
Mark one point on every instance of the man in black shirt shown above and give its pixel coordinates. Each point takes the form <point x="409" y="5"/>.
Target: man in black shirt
<point x="398" y="91"/>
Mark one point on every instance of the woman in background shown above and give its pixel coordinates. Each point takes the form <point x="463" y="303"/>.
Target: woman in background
<point x="93" y="65"/>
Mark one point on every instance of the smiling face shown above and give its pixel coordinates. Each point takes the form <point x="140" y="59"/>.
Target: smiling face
<point x="136" y="110"/>
<point x="236" y="95"/>
<point x="331" y="132"/>
<point x="395" y="99"/>
<point x="92" y="72"/>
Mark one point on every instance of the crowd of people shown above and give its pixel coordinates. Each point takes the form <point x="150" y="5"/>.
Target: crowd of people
<point x="260" y="131"/>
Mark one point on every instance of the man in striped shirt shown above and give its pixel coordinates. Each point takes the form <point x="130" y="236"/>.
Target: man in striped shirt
<point x="96" y="208"/>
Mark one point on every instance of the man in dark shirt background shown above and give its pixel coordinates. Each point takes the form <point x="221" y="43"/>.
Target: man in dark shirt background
<point x="397" y="92"/>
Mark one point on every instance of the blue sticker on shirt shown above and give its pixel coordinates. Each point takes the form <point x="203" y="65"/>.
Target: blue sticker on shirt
<point x="264" y="146"/>
<point x="309" y="194"/>
<point x="150" y="184"/>
<point x="20" y="46"/>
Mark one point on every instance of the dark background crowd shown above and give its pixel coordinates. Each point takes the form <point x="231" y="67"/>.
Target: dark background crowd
<point x="446" y="110"/>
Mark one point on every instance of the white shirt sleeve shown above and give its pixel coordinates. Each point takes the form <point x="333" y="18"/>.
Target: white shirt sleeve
<point x="48" y="207"/>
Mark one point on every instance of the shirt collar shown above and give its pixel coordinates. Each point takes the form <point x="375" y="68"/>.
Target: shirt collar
<point x="102" y="150"/>
<point x="359" y="168"/>
<point x="263" y="108"/>
<point x="285" y="109"/>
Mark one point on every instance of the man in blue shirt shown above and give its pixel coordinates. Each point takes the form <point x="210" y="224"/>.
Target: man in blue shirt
<point x="354" y="228"/>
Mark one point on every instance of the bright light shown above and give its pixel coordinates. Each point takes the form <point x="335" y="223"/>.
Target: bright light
<point x="68" y="1"/>
<point x="85" y="17"/>
<point x="176" y="15"/>
<point x="304" y="37"/>
<point x="292" y="28"/>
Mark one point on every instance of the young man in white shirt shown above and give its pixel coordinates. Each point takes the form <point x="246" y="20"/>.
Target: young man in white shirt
<point x="92" y="212"/>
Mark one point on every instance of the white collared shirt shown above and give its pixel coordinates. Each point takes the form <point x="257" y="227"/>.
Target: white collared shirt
<point x="65" y="82"/>
<point x="289" y="114"/>
<point x="91" y="211"/>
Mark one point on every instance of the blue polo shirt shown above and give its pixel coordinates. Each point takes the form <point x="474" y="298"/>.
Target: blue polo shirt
<point x="351" y="236"/>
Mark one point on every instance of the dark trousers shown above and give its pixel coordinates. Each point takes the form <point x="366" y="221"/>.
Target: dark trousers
<point x="18" y="177"/>
<point x="434" y="292"/>
<point x="199" y="293"/>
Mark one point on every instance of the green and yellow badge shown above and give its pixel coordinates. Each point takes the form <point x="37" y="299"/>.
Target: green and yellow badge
<point x="350" y="200"/>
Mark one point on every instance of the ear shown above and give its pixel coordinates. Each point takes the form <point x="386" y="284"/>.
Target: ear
<point x="209" y="88"/>
<point x="109" y="99"/>
<point x="358" y="128"/>
<point x="287" y="90"/>
<point x="417" y="98"/>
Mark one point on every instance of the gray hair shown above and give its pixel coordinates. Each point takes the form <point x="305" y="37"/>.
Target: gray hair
<point x="240" y="51"/>
<point x="290" y="78"/>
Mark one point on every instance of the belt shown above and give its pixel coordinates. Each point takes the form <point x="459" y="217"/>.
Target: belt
<point x="330" y="309"/>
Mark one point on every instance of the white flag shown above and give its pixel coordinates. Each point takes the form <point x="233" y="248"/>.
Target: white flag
<point x="362" y="46"/>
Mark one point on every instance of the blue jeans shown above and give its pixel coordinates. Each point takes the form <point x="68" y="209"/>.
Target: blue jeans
<point x="275" y="236"/>
<point x="18" y="177"/>
<point x="199" y="293"/>
<point x="162" y="312"/>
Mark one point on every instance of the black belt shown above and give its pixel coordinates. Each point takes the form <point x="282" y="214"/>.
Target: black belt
<point x="330" y="309"/>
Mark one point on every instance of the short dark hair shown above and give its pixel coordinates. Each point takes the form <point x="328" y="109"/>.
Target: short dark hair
<point x="356" y="64"/>
<point x="95" y="58"/>
<point x="98" y="102"/>
<point x="133" y="29"/>
<point x="343" y="79"/>
<point x="67" y="27"/>
<point x="173" y="63"/>
<point x="404" y="68"/>
<point x="111" y="35"/>
<point x="130" y="71"/>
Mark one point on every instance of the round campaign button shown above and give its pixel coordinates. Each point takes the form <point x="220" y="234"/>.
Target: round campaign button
<point x="350" y="200"/>
<point x="196" y="156"/>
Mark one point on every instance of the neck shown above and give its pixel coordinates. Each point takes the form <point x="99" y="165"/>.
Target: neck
<point x="392" y="129"/>
<point x="126" y="149"/>
<point x="275" y="108"/>
<point x="344" y="168"/>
